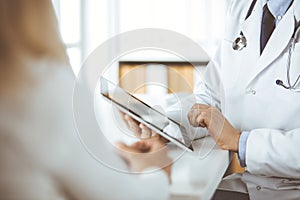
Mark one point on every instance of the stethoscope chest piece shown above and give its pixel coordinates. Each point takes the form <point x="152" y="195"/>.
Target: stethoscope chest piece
<point x="239" y="43"/>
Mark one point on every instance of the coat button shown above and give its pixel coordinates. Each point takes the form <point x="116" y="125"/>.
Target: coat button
<point x="258" y="187"/>
<point x="253" y="92"/>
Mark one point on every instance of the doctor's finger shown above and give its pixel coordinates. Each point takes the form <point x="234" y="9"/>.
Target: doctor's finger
<point x="193" y="114"/>
<point x="191" y="117"/>
<point x="203" y="120"/>
<point x="200" y="106"/>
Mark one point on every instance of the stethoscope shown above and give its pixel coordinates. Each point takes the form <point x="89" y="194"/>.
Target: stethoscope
<point x="241" y="42"/>
<point x="289" y="85"/>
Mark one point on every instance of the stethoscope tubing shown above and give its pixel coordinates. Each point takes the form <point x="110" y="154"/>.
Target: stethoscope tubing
<point x="241" y="42"/>
<point x="288" y="65"/>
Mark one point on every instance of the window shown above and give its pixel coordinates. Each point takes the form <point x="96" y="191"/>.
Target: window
<point x="69" y="14"/>
<point x="85" y="24"/>
<point x="201" y="20"/>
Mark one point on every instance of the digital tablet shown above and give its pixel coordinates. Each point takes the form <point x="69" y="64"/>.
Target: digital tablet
<point x="143" y="113"/>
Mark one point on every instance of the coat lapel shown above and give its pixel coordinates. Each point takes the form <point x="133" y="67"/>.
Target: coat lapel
<point x="277" y="43"/>
<point x="251" y="29"/>
<point x="297" y="11"/>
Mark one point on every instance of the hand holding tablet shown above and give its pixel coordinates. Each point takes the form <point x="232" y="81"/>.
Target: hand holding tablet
<point x="141" y="114"/>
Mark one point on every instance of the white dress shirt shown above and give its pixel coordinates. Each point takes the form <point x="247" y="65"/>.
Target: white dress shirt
<point x="41" y="156"/>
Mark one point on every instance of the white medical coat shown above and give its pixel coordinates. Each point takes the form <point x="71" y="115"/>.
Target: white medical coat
<point x="243" y="85"/>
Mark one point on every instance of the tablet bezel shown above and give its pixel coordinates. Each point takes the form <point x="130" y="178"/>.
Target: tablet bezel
<point x="138" y="118"/>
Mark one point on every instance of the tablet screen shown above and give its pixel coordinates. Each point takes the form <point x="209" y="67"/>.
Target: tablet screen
<point x="142" y="112"/>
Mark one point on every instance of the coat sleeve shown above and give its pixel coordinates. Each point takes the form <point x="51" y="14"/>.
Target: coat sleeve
<point x="274" y="153"/>
<point x="208" y="90"/>
<point x="208" y="87"/>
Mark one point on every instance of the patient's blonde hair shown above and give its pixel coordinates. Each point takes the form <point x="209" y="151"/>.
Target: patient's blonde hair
<point x="28" y="32"/>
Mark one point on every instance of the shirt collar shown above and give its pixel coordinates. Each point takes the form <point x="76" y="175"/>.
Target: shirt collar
<point x="278" y="7"/>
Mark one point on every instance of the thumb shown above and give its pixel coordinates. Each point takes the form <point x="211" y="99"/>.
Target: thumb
<point x="202" y="120"/>
<point x="123" y="151"/>
<point x="126" y="149"/>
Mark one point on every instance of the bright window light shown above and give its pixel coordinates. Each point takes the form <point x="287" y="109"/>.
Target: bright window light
<point x="69" y="18"/>
<point x="85" y="24"/>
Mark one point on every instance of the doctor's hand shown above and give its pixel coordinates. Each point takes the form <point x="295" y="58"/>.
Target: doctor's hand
<point x="140" y="130"/>
<point x="225" y="135"/>
<point x="151" y="152"/>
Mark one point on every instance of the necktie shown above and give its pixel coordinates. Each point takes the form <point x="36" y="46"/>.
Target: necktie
<point x="267" y="27"/>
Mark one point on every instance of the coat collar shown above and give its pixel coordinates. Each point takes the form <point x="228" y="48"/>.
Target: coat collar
<point x="278" y="41"/>
<point x="251" y="30"/>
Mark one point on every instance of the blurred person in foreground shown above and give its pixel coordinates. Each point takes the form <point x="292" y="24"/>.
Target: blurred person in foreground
<point x="41" y="156"/>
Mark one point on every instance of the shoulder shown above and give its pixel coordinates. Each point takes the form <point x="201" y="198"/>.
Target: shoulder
<point x="45" y="71"/>
<point x="52" y="80"/>
<point x="54" y="83"/>
<point x="44" y="83"/>
<point x="50" y="106"/>
<point x="49" y="91"/>
<point x="42" y="109"/>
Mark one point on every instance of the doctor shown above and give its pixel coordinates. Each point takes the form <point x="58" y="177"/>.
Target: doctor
<point x="249" y="99"/>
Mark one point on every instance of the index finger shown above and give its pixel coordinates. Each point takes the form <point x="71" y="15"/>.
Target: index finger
<point x="200" y="106"/>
